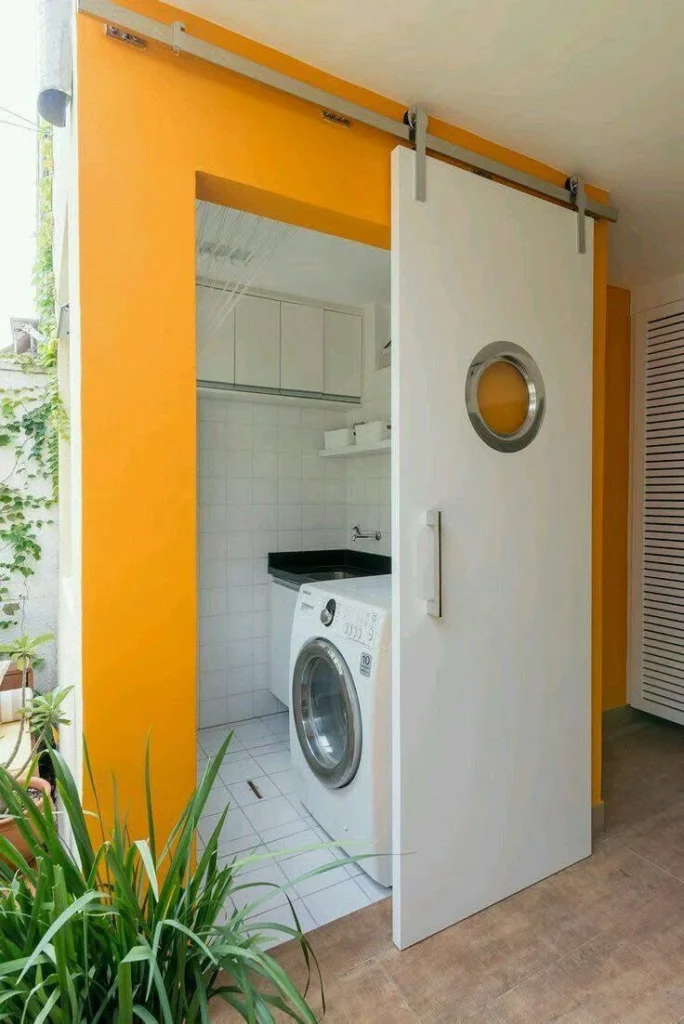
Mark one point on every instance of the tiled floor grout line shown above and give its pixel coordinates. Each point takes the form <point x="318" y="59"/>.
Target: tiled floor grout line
<point x="647" y="860"/>
<point x="393" y="985"/>
<point x="555" y="962"/>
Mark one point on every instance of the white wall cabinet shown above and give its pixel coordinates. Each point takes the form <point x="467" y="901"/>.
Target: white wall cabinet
<point x="215" y="336"/>
<point x="257" y="342"/>
<point x="301" y="347"/>
<point x="342" y="353"/>
<point x="277" y="345"/>
<point x="283" y="605"/>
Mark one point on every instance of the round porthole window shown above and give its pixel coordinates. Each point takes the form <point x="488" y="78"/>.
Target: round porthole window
<point x="505" y="396"/>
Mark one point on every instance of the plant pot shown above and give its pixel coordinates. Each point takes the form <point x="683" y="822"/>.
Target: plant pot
<point x="8" y="826"/>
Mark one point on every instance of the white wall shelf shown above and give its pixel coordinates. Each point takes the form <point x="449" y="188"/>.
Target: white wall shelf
<point x="356" y="449"/>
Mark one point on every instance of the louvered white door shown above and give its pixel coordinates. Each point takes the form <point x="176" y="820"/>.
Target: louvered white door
<point x="657" y="569"/>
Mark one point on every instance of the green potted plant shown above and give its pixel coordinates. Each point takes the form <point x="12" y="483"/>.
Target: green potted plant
<point x="118" y="930"/>
<point x="39" y="718"/>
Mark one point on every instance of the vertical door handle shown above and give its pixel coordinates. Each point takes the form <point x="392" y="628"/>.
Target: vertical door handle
<point x="433" y="519"/>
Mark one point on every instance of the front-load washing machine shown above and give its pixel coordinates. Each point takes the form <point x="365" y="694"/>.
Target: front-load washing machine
<point x="340" y="711"/>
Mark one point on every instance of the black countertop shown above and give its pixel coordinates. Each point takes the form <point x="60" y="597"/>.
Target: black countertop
<point x="296" y="567"/>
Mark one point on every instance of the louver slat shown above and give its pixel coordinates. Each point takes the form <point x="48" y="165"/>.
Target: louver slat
<point x="662" y="584"/>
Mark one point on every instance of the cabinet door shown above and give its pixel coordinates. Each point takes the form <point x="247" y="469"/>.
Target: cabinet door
<point x="257" y="342"/>
<point x="301" y="347"/>
<point x="215" y="335"/>
<point x="343" y="344"/>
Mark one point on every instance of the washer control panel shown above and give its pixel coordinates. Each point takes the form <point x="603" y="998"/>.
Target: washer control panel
<point x="358" y="623"/>
<point x="367" y="626"/>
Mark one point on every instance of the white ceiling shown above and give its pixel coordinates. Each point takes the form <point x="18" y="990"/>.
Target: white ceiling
<point x="594" y="87"/>
<point x="292" y="261"/>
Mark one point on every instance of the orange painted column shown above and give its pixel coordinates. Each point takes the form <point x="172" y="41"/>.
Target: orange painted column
<point x="598" y="490"/>
<point x="154" y="131"/>
<point x="616" y="497"/>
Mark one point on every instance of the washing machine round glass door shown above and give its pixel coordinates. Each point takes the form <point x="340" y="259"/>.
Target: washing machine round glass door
<point x="326" y="713"/>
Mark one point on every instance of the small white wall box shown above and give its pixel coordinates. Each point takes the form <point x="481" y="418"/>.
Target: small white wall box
<point x="369" y="433"/>
<point x="339" y="438"/>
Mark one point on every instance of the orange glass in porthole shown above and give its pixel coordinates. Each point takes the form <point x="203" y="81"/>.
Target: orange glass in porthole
<point x="502" y="397"/>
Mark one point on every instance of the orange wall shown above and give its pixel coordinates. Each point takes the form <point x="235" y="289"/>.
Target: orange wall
<point x="598" y="488"/>
<point x="151" y="125"/>
<point x="616" y="497"/>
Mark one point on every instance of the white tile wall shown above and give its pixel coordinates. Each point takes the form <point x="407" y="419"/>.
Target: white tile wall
<point x="262" y="487"/>
<point x="368" y="500"/>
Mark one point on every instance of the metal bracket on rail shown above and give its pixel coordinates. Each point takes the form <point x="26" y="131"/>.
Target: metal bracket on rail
<point x="417" y="120"/>
<point x="177" y="30"/>
<point x="575" y="185"/>
<point x="112" y="32"/>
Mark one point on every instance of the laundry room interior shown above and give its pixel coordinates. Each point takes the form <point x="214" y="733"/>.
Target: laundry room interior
<point x="294" y="489"/>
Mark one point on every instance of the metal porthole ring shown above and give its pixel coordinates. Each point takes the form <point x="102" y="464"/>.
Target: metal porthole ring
<point x="341" y="774"/>
<point x="507" y="352"/>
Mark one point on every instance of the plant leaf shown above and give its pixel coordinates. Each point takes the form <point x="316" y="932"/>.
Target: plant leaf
<point x="146" y="857"/>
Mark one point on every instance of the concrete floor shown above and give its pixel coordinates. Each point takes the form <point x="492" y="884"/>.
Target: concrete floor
<point x="602" y="941"/>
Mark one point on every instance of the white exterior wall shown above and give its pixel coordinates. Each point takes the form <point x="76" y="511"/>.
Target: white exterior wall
<point x="658" y="293"/>
<point x="39" y="614"/>
<point x="66" y="267"/>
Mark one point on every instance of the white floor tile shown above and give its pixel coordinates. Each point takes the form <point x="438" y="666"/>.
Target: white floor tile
<point x="269" y="813"/>
<point x="306" y="837"/>
<point x="329" y="904"/>
<point x="235" y="826"/>
<point x="283" y="916"/>
<point x="218" y="799"/>
<point x="260" y="886"/>
<point x="253" y="859"/>
<point x="246" y="733"/>
<point x="244" y="795"/>
<point x="304" y="863"/>
<point x="270" y="763"/>
<point x="371" y="888"/>
<point x="262" y="744"/>
<point x="239" y="771"/>
<point x="270" y="746"/>
<point x="282" y="834"/>
<point x="211" y="739"/>
<point x="279" y="725"/>
<point x="239" y="848"/>
<point x="285" y="781"/>
<point x="238" y="755"/>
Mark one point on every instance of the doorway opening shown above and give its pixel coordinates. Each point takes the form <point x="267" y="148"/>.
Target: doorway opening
<point x="293" y="493"/>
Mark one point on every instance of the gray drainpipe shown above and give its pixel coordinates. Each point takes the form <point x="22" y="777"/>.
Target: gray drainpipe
<point x="54" y="60"/>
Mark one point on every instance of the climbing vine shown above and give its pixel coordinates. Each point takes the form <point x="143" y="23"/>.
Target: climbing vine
<point x="32" y="419"/>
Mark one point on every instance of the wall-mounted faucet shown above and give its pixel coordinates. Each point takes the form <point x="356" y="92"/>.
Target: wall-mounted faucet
<point x="358" y="534"/>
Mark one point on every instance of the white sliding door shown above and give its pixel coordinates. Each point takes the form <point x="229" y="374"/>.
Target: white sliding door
<point x="657" y="562"/>
<point x="491" y="708"/>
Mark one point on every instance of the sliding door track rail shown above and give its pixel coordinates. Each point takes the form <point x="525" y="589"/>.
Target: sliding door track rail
<point x="136" y="29"/>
